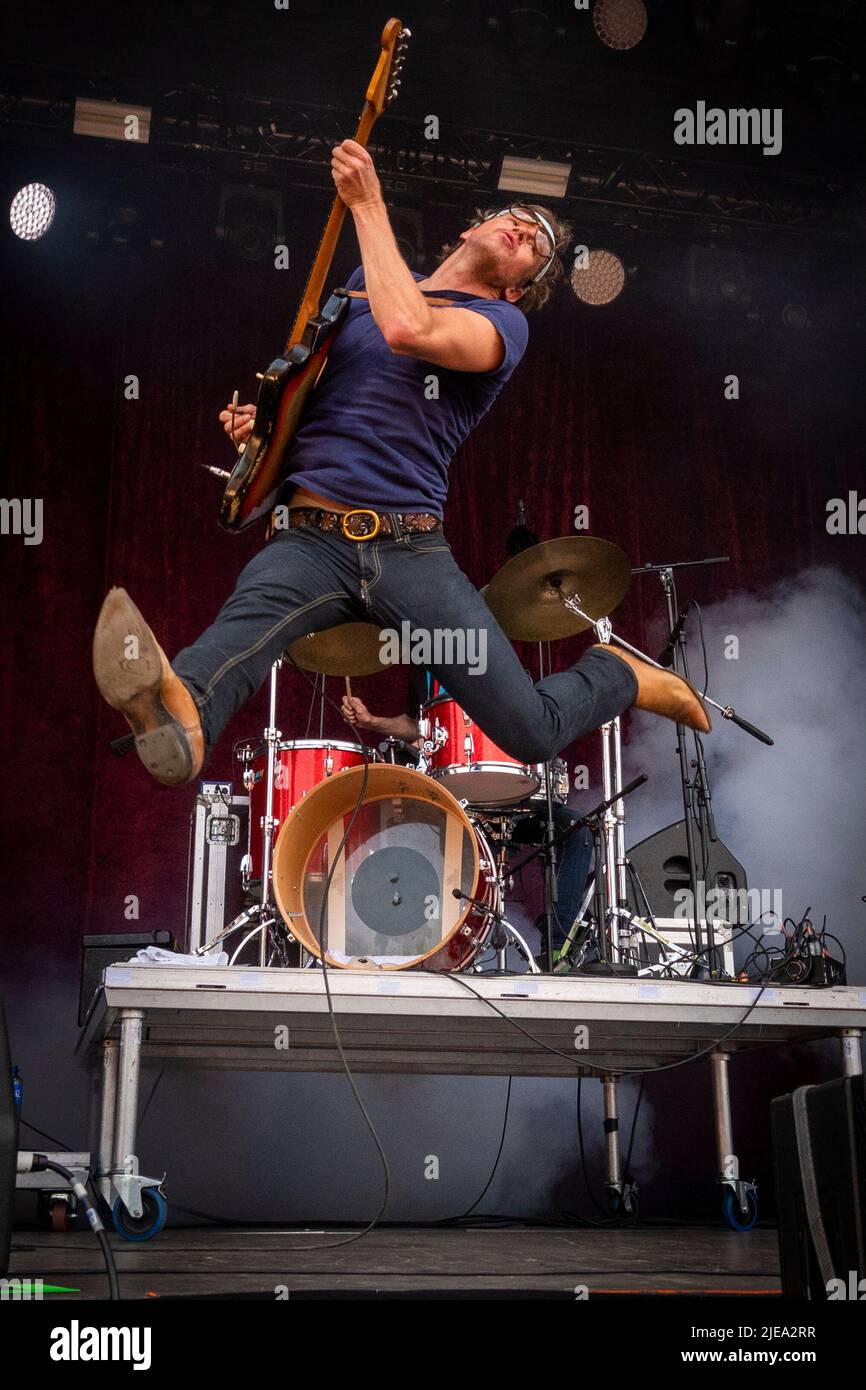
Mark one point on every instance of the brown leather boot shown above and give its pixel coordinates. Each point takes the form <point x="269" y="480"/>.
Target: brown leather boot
<point x="664" y="692"/>
<point x="134" y="676"/>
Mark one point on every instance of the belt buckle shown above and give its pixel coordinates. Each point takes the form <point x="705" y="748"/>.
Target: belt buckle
<point x="361" y="511"/>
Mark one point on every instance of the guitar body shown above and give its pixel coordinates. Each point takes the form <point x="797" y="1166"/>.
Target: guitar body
<point x="286" y="386"/>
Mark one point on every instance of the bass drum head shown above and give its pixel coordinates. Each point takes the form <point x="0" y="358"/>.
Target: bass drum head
<point x="390" y="904"/>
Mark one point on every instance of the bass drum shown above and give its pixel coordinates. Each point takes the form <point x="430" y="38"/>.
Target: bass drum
<point x="390" y="901"/>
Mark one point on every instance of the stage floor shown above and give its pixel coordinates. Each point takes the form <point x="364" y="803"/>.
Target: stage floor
<point x="475" y="1262"/>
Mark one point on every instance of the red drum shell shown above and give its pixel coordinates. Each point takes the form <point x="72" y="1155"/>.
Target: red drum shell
<point x="301" y="764"/>
<point x="471" y="765"/>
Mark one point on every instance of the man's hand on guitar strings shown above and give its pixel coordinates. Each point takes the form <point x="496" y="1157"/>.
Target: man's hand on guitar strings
<point x="355" y="175"/>
<point x="238" y="422"/>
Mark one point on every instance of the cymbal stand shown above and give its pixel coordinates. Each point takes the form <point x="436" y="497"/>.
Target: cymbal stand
<point x="615" y="888"/>
<point x="604" y="632"/>
<point x="551" y="856"/>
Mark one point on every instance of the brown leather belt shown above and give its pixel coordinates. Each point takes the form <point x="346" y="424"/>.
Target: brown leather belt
<point x="362" y="523"/>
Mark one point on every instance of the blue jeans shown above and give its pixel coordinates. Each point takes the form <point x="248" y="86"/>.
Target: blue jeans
<point x="305" y="580"/>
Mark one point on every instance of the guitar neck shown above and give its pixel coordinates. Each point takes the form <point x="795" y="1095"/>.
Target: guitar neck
<point x="312" y="295"/>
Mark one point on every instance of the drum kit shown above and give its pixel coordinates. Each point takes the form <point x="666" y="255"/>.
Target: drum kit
<point x="396" y="857"/>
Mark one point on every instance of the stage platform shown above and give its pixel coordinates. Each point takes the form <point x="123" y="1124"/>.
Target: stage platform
<point x="470" y="1025"/>
<point x="470" y="1262"/>
<point x="251" y="1019"/>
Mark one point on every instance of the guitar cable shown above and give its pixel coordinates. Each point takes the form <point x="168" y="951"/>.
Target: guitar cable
<point x="323" y="943"/>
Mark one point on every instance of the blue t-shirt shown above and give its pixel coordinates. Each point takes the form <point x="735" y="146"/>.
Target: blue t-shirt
<point x="374" y="434"/>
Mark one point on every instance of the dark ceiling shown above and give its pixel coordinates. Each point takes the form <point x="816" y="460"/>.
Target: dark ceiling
<point x="535" y="67"/>
<point x="530" y="78"/>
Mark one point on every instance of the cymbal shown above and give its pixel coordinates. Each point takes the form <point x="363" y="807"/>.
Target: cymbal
<point x="524" y="595"/>
<point x="350" y="649"/>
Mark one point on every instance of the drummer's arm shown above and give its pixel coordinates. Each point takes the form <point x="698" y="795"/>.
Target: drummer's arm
<point x="399" y="726"/>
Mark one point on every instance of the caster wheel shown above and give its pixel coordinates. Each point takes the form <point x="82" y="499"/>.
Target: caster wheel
<point x="60" y="1216"/>
<point x="146" y="1226"/>
<point x="734" y="1216"/>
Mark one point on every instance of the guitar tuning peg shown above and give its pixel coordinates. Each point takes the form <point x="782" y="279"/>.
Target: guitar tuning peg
<point x="405" y="34"/>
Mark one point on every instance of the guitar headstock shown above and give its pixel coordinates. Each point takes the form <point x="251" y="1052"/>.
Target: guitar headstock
<point x="386" y="79"/>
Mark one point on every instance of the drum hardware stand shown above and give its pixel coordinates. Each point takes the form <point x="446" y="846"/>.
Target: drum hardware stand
<point x="503" y="936"/>
<point x="433" y="738"/>
<point x="268" y="922"/>
<point x="605" y="912"/>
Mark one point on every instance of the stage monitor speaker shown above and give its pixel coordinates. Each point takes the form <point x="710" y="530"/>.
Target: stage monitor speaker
<point x="662" y="864"/>
<point x="8" y="1145"/>
<point x="836" y="1116"/>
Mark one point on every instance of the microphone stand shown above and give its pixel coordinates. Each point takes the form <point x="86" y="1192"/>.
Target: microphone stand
<point x="604" y="632"/>
<point x="697" y="790"/>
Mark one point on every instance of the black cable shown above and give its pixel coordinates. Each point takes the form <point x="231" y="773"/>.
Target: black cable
<point x="149" y="1099"/>
<point x="447" y="1220"/>
<point x="626" y="1172"/>
<point x="632" y="1071"/>
<point x="595" y="1202"/>
<point x="322" y="938"/>
<point x="64" y="1148"/>
<point x="93" y="1218"/>
<point x="830" y="937"/>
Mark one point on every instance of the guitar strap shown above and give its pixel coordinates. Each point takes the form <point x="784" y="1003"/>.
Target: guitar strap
<point x="356" y="294"/>
<point x="360" y="294"/>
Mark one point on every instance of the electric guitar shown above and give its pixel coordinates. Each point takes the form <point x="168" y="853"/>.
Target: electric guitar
<point x="286" y="385"/>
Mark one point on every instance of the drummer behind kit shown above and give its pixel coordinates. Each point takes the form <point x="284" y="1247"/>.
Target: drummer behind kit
<point x="354" y="857"/>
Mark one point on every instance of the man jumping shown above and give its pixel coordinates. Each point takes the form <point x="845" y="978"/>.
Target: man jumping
<point x="367" y="476"/>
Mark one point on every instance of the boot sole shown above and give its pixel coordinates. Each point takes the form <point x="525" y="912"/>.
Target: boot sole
<point x="133" y="685"/>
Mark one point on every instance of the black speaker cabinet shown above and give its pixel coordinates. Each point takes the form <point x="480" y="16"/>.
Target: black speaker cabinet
<point x="97" y="952"/>
<point x="662" y="864"/>
<point x="836" y="1114"/>
<point x="8" y="1145"/>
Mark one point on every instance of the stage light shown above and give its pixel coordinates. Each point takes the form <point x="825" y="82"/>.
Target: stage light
<point x="251" y="221"/>
<point x="795" y="316"/>
<point x="112" y="120"/>
<point x="598" y="278"/>
<point x="32" y="211"/>
<point x="543" y="177"/>
<point x="620" y="24"/>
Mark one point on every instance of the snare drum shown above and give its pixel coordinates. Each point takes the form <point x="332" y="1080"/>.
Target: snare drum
<point x="468" y="763"/>
<point x="300" y="765"/>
